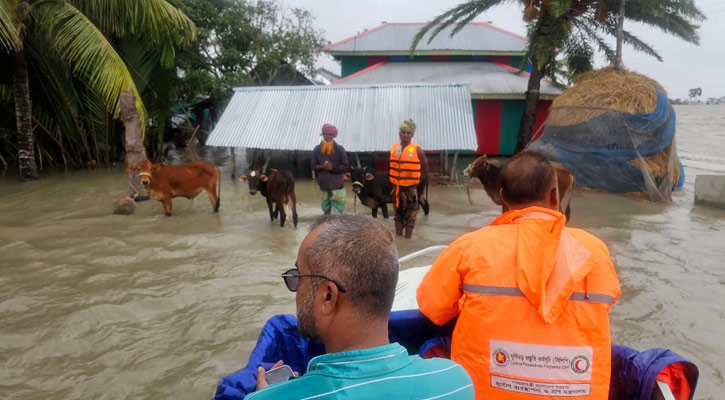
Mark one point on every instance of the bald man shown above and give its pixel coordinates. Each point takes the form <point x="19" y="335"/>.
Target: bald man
<point x="531" y="295"/>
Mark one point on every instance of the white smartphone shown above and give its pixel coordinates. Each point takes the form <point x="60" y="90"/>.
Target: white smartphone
<point x="279" y="374"/>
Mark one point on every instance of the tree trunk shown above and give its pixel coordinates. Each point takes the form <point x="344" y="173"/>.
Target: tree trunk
<point x="620" y="36"/>
<point x="23" y="116"/>
<point x="135" y="150"/>
<point x="528" y="119"/>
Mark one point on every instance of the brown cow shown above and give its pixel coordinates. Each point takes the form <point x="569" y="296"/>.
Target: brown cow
<point x="164" y="182"/>
<point x="278" y="187"/>
<point x="490" y="176"/>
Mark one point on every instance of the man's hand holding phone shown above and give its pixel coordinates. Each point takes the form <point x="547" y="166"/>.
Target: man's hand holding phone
<point x="278" y="373"/>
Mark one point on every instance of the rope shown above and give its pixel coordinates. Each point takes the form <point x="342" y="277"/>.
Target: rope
<point x="132" y="189"/>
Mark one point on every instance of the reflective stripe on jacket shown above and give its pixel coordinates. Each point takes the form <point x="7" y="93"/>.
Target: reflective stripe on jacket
<point x="533" y="299"/>
<point x="404" y="165"/>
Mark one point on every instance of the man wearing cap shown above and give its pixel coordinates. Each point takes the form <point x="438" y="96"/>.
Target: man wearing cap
<point x="329" y="161"/>
<point x="408" y="166"/>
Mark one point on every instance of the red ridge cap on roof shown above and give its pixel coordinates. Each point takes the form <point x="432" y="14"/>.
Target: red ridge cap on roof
<point x="486" y="24"/>
<point x="499" y="29"/>
<point x="331" y="45"/>
<point x="514" y="69"/>
<point x="362" y="71"/>
<point x="510" y="68"/>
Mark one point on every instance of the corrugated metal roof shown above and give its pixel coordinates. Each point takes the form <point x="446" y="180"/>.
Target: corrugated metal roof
<point x="367" y="116"/>
<point x="485" y="79"/>
<point x="474" y="38"/>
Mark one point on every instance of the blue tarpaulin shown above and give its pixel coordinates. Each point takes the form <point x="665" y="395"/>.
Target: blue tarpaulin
<point x="599" y="151"/>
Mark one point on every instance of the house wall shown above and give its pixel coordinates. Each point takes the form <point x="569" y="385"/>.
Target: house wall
<point x="497" y="124"/>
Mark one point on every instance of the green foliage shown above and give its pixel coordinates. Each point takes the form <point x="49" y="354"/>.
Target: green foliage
<point x="242" y="43"/>
<point x="81" y="55"/>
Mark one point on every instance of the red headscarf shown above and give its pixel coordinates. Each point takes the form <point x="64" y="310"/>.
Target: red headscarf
<point x="328" y="128"/>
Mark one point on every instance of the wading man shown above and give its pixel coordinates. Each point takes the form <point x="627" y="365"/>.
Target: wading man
<point x="329" y="161"/>
<point x="534" y="322"/>
<point x="345" y="278"/>
<point x="408" y="166"/>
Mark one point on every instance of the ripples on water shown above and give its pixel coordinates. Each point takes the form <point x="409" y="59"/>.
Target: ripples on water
<point x="101" y="306"/>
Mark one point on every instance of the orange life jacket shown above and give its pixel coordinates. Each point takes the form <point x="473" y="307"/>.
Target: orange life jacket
<point x="404" y="165"/>
<point x="532" y="299"/>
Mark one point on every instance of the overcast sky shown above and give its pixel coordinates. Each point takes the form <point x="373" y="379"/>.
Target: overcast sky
<point x="684" y="65"/>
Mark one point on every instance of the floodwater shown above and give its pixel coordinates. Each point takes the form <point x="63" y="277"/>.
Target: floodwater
<point x="95" y="305"/>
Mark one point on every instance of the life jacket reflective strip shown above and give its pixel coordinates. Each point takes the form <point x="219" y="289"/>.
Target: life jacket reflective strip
<point x="508" y="348"/>
<point x="516" y="292"/>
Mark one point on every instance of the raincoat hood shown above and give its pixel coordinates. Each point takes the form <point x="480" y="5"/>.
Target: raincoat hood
<point x="549" y="260"/>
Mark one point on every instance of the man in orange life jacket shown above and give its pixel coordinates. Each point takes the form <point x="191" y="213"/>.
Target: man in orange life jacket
<point x="407" y="166"/>
<point x="532" y="296"/>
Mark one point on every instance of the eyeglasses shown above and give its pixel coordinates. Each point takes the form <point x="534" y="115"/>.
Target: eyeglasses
<point x="292" y="280"/>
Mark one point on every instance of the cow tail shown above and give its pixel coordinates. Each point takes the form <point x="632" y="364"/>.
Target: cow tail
<point x="218" y="188"/>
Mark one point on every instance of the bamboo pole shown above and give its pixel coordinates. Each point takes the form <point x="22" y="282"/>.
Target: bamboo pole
<point x="454" y="172"/>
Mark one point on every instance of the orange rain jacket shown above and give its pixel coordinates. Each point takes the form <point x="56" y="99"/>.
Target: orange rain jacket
<point x="533" y="299"/>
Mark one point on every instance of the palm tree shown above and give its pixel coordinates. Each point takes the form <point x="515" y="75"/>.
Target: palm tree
<point x="72" y="46"/>
<point x="576" y="30"/>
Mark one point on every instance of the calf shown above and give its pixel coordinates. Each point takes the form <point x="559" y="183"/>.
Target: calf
<point x="376" y="190"/>
<point x="278" y="187"/>
<point x="164" y="182"/>
<point x="490" y="176"/>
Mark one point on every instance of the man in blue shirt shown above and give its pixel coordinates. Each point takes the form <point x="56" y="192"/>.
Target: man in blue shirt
<point x="345" y="278"/>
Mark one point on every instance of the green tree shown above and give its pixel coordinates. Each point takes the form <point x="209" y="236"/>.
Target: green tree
<point x="575" y="30"/>
<point x="66" y="56"/>
<point x="244" y="43"/>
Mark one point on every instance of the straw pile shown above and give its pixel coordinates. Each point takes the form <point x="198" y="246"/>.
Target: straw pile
<point x="596" y="92"/>
<point x="658" y="164"/>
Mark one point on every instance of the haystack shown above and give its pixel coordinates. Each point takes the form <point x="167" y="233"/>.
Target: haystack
<point x="597" y="92"/>
<point x="615" y="131"/>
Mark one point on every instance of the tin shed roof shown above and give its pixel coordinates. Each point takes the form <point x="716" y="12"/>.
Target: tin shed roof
<point x="395" y="38"/>
<point x="367" y="116"/>
<point x="486" y="79"/>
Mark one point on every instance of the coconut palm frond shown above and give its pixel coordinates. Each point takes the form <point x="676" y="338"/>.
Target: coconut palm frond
<point x="667" y="18"/>
<point x="610" y="28"/>
<point x="466" y="11"/>
<point x="57" y="98"/>
<point x="593" y="33"/>
<point x="157" y="20"/>
<point x="92" y="58"/>
<point x="9" y="23"/>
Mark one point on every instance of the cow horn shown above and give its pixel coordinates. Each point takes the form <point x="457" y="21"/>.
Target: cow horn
<point x="264" y="168"/>
<point x="357" y="160"/>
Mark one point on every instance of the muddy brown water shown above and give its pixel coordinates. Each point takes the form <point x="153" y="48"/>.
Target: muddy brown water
<point x="95" y="305"/>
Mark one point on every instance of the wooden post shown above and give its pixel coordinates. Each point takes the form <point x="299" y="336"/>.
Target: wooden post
<point x="454" y="170"/>
<point x="234" y="163"/>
